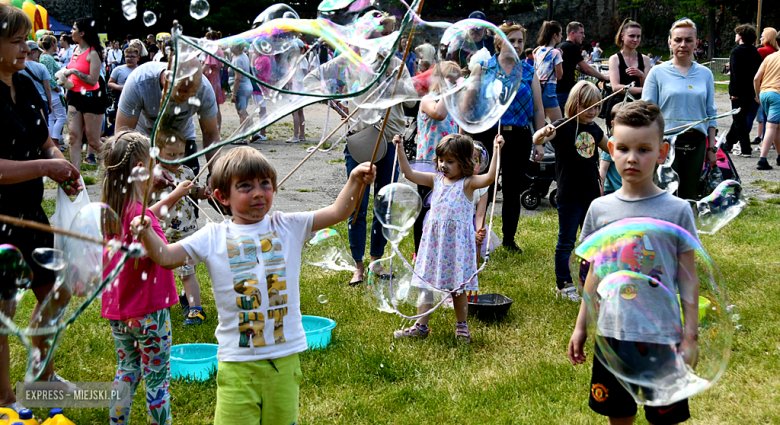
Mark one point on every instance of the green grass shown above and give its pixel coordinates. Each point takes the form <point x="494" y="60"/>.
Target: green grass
<point x="516" y="370"/>
<point x="771" y="187"/>
<point x="89" y="180"/>
<point x="49" y="205"/>
<point x="336" y="161"/>
<point x="307" y="190"/>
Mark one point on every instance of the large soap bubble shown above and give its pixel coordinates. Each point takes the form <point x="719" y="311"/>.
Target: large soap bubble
<point x="365" y="69"/>
<point x="397" y="206"/>
<point x="15" y="275"/>
<point x="666" y="178"/>
<point x="79" y="268"/>
<point x="656" y="309"/>
<point x="481" y="158"/>
<point x="389" y="289"/>
<point x="718" y="208"/>
<point x="327" y="250"/>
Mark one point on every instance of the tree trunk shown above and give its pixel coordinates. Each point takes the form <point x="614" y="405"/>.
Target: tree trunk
<point x="713" y="35"/>
<point x="68" y="11"/>
<point x="550" y="9"/>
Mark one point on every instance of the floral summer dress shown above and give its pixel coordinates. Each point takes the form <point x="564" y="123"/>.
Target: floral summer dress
<point x="448" y="253"/>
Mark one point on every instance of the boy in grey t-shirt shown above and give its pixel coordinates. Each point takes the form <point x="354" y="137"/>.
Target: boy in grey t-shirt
<point x="640" y="315"/>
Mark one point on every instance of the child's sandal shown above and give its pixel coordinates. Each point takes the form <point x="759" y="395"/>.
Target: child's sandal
<point x="416" y="331"/>
<point x="462" y="333"/>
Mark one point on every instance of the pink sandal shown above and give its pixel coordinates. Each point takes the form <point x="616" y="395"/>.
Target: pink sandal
<point x="462" y="333"/>
<point x="416" y="331"/>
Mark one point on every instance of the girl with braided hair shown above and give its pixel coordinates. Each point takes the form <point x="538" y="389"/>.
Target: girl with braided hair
<point x="136" y="304"/>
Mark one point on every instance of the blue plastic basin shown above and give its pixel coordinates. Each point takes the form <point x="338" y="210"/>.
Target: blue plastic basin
<point x="317" y="331"/>
<point x="193" y="361"/>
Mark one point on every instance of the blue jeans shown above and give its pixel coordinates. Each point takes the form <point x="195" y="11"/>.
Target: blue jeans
<point x="549" y="97"/>
<point x="357" y="231"/>
<point x="570" y="218"/>
<point x="562" y="98"/>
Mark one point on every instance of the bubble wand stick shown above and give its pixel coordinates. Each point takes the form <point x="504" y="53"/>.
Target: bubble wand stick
<point x="387" y="113"/>
<point x="166" y="89"/>
<point x="624" y="89"/>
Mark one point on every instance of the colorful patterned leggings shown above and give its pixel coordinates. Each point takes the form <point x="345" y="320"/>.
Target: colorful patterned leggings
<point x="143" y="349"/>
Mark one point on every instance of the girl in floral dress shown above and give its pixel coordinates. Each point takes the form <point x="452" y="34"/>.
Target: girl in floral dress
<point x="447" y="255"/>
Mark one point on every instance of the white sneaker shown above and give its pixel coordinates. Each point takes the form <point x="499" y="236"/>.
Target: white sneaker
<point x="293" y="140"/>
<point x="568" y="292"/>
<point x="736" y="151"/>
<point x="262" y="137"/>
<point x="57" y="378"/>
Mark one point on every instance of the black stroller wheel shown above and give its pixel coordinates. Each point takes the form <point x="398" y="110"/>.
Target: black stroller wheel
<point x="530" y="199"/>
<point x="553" y="194"/>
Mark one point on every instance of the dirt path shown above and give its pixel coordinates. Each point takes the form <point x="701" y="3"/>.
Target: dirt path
<point x="319" y="181"/>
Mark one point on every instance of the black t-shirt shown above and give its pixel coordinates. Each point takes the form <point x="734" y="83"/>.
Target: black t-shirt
<point x="488" y="43"/>
<point x="571" y="57"/>
<point x="24" y="133"/>
<point x="577" y="161"/>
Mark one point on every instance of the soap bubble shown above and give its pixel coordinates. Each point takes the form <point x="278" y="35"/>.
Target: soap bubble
<point x="423" y="166"/>
<point x="149" y="18"/>
<point x="666" y="178"/>
<point x="80" y="268"/>
<point x="139" y="173"/>
<point x="397" y="206"/>
<point x="15" y="274"/>
<point x="327" y="250"/>
<point x="154" y="151"/>
<point x="199" y="8"/>
<point x="642" y="334"/>
<point x="322" y="298"/>
<point x="276" y="11"/>
<point x="389" y="289"/>
<point x="481" y="158"/>
<point x="718" y="208"/>
<point x="129" y="9"/>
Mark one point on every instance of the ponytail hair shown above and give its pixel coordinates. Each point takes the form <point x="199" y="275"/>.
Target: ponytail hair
<point x="627" y="23"/>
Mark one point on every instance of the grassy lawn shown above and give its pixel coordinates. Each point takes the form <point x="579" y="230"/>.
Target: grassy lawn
<point x="516" y="371"/>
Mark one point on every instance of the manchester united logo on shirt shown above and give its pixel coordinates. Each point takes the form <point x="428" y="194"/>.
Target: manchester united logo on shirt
<point x="599" y="392"/>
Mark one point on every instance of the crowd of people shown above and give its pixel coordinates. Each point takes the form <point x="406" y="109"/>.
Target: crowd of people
<point x="599" y="180"/>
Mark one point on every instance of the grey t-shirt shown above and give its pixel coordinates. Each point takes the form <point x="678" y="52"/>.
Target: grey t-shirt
<point x="142" y="95"/>
<point x="121" y="73"/>
<point x="639" y="309"/>
<point x="242" y="62"/>
<point x="40" y="72"/>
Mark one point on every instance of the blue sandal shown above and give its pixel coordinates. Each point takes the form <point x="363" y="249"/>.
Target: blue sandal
<point x="195" y="317"/>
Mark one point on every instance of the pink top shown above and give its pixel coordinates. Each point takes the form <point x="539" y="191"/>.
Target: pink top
<point x="140" y="290"/>
<point x="213" y="74"/>
<point x="263" y="67"/>
<point x="79" y="63"/>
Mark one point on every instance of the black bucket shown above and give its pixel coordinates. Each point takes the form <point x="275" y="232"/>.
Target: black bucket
<point x="490" y="306"/>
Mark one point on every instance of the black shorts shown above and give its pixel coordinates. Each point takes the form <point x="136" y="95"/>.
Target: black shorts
<point x="27" y="240"/>
<point x="91" y="102"/>
<point x="608" y="397"/>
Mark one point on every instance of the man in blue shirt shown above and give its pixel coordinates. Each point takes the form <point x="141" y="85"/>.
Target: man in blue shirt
<point x="40" y="76"/>
<point x="411" y="59"/>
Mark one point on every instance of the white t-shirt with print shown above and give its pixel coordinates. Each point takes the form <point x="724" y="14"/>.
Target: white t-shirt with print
<point x="255" y="271"/>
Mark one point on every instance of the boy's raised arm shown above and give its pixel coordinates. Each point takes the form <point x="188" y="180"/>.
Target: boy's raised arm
<point x="350" y="197"/>
<point x="164" y="255"/>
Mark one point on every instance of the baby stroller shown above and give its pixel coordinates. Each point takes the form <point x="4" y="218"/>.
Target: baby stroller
<point x="542" y="175"/>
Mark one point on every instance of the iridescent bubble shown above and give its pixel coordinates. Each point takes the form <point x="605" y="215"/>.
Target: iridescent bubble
<point x="389" y="289"/>
<point x="481" y="158"/>
<point x="149" y="18"/>
<point x="666" y="178"/>
<point x="139" y="173"/>
<point x="15" y="273"/>
<point x="322" y="298"/>
<point x="276" y="11"/>
<point x="396" y="206"/>
<point x="327" y="250"/>
<point x="154" y="151"/>
<point x="656" y="309"/>
<point x="49" y="258"/>
<point x="718" y="208"/>
<point x="130" y="9"/>
<point x="199" y="8"/>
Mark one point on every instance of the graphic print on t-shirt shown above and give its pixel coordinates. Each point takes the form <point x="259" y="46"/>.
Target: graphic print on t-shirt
<point x="585" y="144"/>
<point x="634" y="252"/>
<point x="244" y="264"/>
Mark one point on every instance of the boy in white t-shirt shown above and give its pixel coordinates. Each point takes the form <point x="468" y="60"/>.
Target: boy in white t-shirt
<point x="254" y="261"/>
